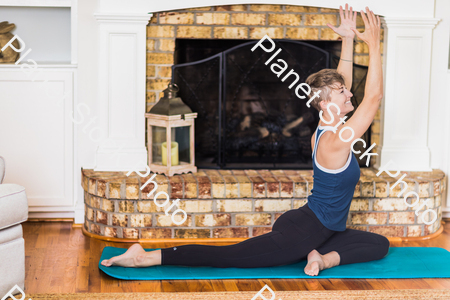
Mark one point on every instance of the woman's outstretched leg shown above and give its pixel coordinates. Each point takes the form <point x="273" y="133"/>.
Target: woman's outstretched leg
<point x="258" y="251"/>
<point x="295" y="234"/>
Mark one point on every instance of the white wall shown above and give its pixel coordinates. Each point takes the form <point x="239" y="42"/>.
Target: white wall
<point x="446" y="144"/>
<point x="87" y="94"/>
<point x="41" y="28"/>
<point x="88" y="80"/>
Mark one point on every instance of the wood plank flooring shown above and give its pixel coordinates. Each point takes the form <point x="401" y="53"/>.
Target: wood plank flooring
<point x="60" y="259"/>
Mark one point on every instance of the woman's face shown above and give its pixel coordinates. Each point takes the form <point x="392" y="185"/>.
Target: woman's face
<point x="341" y="97"/>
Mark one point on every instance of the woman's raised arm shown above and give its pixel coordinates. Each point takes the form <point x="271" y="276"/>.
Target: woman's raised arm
<point x="345" y="66"/>
<point x="364" y="114"/>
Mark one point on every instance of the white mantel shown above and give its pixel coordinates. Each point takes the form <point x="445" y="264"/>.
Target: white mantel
<point x="401" y="8"/>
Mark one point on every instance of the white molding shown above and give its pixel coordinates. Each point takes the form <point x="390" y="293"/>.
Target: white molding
<point x="78" y="192"/>
<point x="405" y="107"/>
<point x="37" y="3"/>
<point x="127" y="18"/>
<point x="418" y="8"/>
<point x="122" y="55"/>
<point x="74" y="32"/>
<point x="446" y="199"/>
<point x="44" y="209"/>
<point x="445" y="212"/>
<point x="40" y="66"/>
<point x="409" y="22"/>
<point x="79" y="212"/>
<point x="50" y="215"/>
<point x="56" y="153"/>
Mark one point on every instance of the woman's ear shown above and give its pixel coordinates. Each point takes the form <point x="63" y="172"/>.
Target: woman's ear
<point x="323" y="105"/>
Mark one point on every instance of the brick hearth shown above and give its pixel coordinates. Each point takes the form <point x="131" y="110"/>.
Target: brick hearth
<point x="246" y="203"/>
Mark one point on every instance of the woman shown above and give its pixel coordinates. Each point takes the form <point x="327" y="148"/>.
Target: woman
<point x="317" y="231"/>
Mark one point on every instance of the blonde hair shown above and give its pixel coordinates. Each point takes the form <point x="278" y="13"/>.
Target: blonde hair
<point x="323" y="81"/>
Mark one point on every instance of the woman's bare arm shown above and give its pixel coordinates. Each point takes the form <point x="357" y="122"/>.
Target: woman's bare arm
<point x="365" y="113"/>
<point x="345" y="66"/>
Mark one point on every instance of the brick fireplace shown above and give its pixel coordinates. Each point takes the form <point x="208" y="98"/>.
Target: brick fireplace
<point x="244" y="203"/>
<point x="245" y="21"/>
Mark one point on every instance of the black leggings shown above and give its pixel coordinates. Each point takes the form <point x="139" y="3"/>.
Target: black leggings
<point x="294" y="234"/>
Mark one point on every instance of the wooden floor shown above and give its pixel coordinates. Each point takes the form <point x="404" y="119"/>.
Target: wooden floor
<point x="60" y="259"/>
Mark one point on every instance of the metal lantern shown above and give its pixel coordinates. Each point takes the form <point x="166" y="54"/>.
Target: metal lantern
<point x="170" y="129"/>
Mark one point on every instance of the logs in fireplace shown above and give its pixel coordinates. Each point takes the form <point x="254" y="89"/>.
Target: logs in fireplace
<point x="248" y="117"/>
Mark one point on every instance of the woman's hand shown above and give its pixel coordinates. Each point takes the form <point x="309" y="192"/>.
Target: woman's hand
<point x="348" y="20"/>
<point x="371" y="34"/>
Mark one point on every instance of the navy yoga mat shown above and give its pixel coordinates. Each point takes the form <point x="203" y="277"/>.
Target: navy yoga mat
<point x="400" y="262"/>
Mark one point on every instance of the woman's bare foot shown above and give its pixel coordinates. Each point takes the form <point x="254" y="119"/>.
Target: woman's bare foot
<point x="318" y="262"/>
<point x="134" y="257"/>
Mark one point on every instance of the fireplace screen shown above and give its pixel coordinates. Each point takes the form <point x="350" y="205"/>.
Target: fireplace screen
<point x="248" y="117"/>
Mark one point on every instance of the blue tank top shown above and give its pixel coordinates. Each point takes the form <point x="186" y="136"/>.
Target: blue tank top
<point x="333" y="190"/>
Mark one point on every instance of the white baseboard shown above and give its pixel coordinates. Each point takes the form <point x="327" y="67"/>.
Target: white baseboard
<point x="446" y="212"/>
<point x="79" y="215"/>
<point x="51" y="208"/>
<point x="58" y="212"/>
<point x="51" y="211"/>
<point x="51" y="215"/>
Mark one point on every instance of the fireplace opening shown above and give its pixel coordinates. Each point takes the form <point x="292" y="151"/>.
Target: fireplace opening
<point x="247" y="117"/>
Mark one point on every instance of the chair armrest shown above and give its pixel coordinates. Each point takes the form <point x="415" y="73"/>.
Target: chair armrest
<point x="2" y="169"/>
<point x="13" y="205"/>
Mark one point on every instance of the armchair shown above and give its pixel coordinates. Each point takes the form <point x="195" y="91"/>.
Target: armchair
<point x="13" y="212"/>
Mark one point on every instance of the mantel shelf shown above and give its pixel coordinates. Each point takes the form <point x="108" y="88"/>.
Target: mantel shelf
<point x="46" y="65"/>
<point x="38" y="3"/>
